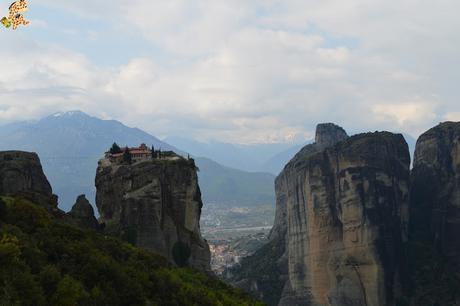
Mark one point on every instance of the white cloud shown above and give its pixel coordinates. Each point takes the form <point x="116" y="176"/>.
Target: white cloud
<point x="454" y="116"/>
<point x="248" y="71"/>
<point x="409" y="115"/>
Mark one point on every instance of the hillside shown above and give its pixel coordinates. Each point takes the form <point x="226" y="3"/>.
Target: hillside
<point x="234" y="187"/>
<point x="46" y="262"/>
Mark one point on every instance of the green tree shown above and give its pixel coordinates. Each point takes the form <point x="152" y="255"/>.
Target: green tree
<point x="49" y="279"/>
<point x="153" y="152"/>
<point x="127" y="158"/>
<point x="69" y="292"/>
<point x="115" y="148"/>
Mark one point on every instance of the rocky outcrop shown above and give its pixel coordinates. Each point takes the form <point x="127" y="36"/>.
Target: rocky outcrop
<point x="346" y="215"/>
<point x="436" y="188"/>
<point x="327" y="135"/>
<point x="82" y="215"/>
<point x="154" y="204"/>
<point x="435" y="216"/>
<point x="21" y="174"/>
<point x="265" y="273"/>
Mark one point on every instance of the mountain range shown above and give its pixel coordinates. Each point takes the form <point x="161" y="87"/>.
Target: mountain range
<point x="71" y="143"/>
<point x="258" y="157"/>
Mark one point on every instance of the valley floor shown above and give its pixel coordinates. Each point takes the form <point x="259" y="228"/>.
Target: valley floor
<point x="235" y="232"/>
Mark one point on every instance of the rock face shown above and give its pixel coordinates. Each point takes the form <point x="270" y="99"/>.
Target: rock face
<point x="82" y="214"/>
<point x="436" y="188"/>
<point x="346" y="211"/>
<point x="266" y="272"/>
<point x="435" y="215"/>
<point x="21" y="174"/>
<point x="155" y="204"/>
<point x="328" y="134"/>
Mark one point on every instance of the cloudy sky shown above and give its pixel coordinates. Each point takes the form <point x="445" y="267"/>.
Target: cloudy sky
<point x="240" y="71"/>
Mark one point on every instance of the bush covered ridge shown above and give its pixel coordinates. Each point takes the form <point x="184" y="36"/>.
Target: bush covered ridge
<point x="46" y="262"/>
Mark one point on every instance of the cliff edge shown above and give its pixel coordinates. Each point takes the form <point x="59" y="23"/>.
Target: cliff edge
<point x="347" y="214"/>
<point x="155" y="204"/>
<point x="21" y="174"/>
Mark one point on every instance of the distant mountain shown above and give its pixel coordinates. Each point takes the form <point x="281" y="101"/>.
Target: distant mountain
<point x="234" y="187"/>
<point x="277" y="162"/>
<point x="246" y="157"/>
<point x="70" y="144"/>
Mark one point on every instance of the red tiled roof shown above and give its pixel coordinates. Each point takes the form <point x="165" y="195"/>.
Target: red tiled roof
<point x="138" y="151"/>
<point x="142" y="149"/>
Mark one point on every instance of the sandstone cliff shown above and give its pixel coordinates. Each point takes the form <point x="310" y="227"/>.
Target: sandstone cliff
<point x="21" y="174"/>
<point x="346" y="214"/>
<point x="435" y="216"/>
<point x="266" y="272"/>
<point x="155" y="204"/>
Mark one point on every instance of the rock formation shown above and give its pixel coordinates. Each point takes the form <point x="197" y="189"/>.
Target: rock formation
<point x="154" y="204"/>
<point x="435" y="215"/>
<point x="266" y="272"/>
<point x="436" y="188"/>
<point x="82" y="214"/>
<point x="347" y="210"/>
<point x="21" y="174"/>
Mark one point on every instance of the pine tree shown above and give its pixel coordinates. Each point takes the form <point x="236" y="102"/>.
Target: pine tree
<point x="153" y="152"/>
<point x="127" y="158"/>
<point x="115" y="149"/>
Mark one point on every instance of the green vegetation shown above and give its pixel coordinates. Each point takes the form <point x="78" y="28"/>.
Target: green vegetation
<point x="231" y="187"/>
<point x="115" y="148"/>
<point x="249" y="243"/>
<point x="127" y="157"/>
<point x="46" y="262"/>
<point x="435" y="282"/>
<point x="263" y="267"/>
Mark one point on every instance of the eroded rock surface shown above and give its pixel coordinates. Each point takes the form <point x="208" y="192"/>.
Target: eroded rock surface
<point x="265" y="273"/>
<point x="435" y="216"/>
<point x="346" y="212"/>
<point x="436" y="188"/>
<point x="21" y="174"/>
<point x="156" y="205"/>
<point x="82" y="214"/>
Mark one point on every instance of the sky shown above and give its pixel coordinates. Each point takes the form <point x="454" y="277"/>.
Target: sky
<point x="240" y="71"/>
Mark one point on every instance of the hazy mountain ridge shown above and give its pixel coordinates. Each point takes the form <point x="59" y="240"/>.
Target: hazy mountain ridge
<point x="262" y="157"/>
<point x="70" y="144"/>
<point x="234" y="187"/>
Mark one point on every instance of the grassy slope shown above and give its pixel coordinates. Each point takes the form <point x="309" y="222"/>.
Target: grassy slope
<point x="46" y="262"/>
<point x="233" y="187"/>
